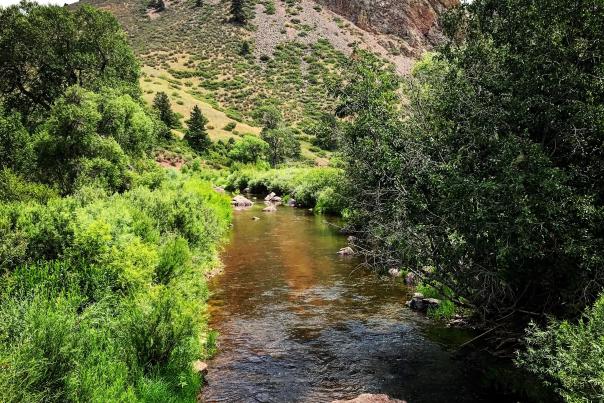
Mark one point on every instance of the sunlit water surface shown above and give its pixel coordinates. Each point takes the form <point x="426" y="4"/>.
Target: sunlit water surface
<point x="298" y="323"/>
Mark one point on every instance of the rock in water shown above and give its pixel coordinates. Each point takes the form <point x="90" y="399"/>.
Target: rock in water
<point x="270" y="209"/>
<point x="369" y="398"/>
<point x="291" y="203"/>
<point x="419" y="303"/>
<point x="395" y="272"/>
<point x="270" y="196"/>
<point x="240" y="201"/>
<point x="347" y="251"/>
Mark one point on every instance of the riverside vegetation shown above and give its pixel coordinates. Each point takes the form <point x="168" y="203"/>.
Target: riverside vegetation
<point x="481" y="173"/>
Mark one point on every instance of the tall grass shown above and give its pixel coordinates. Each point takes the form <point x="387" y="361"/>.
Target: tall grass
<point x="103" y="297"/>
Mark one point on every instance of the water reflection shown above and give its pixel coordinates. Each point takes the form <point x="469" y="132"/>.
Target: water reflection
<point x="299" y="323"/>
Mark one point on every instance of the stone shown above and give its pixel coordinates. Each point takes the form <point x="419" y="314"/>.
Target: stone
<point x="291" y="202"/>
<point x="419" y="303"/>
<point x="246" y="190"/>
<point x="270" y="209"/>
<point x="395" y="272"/>
<point x="219" y="189"/>
<point x="347" y="251"/>
<point x="255" y="218"/>
<point x="371" y="398"/>
<point x="410" y="279"/>
<point x="270" y="196"/>
<point x="200" y="367"/>
<point x="241" y="201"/>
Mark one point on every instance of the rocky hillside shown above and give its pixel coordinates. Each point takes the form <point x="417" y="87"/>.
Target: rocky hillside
<point x="414" y="21"/>
<point x="284" y="56"/>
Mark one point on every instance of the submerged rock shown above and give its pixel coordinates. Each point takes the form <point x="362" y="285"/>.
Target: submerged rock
<point x="270" y="209"/>
<point x="347" y="251"/>
<point x="241" y="201"/>
<point x="369" y="398"/>
<point x="255" y="218"/>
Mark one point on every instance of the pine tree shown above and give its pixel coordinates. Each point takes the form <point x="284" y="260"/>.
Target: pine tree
<point x="160" y="5"/>
<point x="198" y="3"/>
<point x="196" y="134"/>
<point x="161" y="103"/>
<point x="238" y="11"/>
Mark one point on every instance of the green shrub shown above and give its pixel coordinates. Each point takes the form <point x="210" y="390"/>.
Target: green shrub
<point x="569" y="356"/>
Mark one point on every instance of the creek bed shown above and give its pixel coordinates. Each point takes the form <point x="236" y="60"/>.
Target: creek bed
<point x="298" y="323"/>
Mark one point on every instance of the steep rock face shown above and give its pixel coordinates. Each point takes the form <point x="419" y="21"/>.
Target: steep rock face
<point x="414" y="21"/>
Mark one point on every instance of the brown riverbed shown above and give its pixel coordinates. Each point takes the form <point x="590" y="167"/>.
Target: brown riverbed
<point x="298" y="323"/>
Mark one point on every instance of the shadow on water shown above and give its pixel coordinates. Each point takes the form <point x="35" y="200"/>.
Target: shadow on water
<point x="299" y="323"/>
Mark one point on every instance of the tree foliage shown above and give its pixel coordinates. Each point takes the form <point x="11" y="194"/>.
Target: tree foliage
<point x="487" y="179"/>
<point x="249" y="150"/>
<point x="161" y="103"/>
<point x="196" y="134"/>
<point x="239" y="12"/>
<point x="45" y="50"/>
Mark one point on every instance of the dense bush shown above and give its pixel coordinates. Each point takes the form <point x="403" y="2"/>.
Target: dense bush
<point x="486" y="179"/>
<point x="103" y="295"/>
<point x="569" y="356"/>
<point x="310" y="187"/>
<point x="46" y="50"/>
<point x="249" y="150"/>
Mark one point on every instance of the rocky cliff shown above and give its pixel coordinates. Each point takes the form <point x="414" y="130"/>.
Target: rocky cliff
<point x="414" y="21"/>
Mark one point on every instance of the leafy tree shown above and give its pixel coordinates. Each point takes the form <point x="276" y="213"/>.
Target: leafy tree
<point x="16" y="144"/>
<point x="161" y="103"/>
<point x="326" y="132"/>
<point x="282" y="143"/>
<point x="239" y="11"/>
<point x="196" y="134"/>
<point x="249" y="149"/>
<point x="269" y="117"/>
<point x="486" y="180"/>
<point x="46" y="49"/>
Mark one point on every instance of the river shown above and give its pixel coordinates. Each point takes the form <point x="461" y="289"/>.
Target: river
<point x="299" y="323"/>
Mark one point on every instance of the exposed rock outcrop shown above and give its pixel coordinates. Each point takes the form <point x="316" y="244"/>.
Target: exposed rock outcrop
<point x="415" y="21"/>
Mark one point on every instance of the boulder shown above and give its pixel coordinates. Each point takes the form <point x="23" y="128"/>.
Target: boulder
<point x="241" y="201"/>
<point x="370" y="398"/>
<point x="246" y="190"/>
<point x="276" y="199"/>
<point x="395" y="272"/>
<point x="219" y="189"/>
<point x="410" y="279"/>
<point x="270" y="196"/>
<point x="270" y="209"/>
<point x="347" y="251"/>
<point x="291" y="202"/>
<point x="419" y="303"/>
<point x="351" y="239"/>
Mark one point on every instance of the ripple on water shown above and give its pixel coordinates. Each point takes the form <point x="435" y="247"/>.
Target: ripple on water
<point x="298" y="323"/>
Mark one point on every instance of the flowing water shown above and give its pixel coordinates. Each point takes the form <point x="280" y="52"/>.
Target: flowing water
<point x="299" y="323"/>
